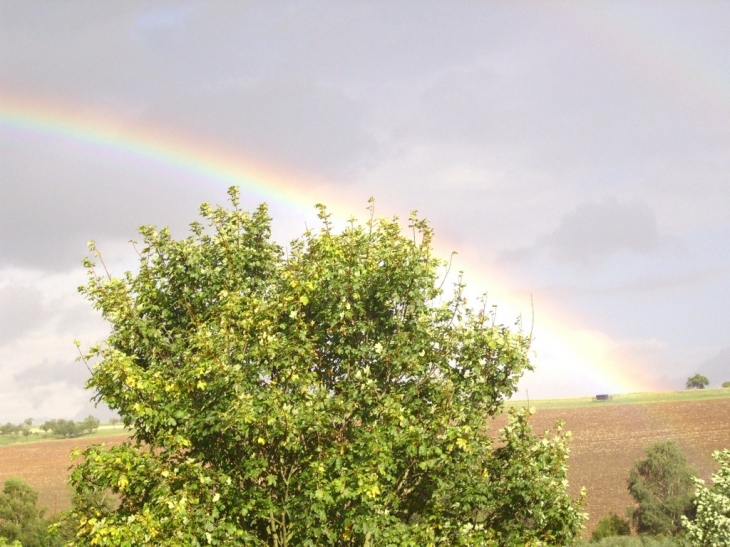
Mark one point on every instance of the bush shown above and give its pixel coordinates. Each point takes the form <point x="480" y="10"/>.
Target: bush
<point x="612" y="525"/>
<point x="662" y="485"/>
<point x="711" y="525"/>
<point x="637" y="541"/>
<point x="726" y="384"/>
<point x="20" y="518"/>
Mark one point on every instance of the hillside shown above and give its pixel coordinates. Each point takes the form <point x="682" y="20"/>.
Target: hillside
<point x="608" y="437"/>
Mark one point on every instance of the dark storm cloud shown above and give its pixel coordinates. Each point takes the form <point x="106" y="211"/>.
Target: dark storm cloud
<point x="596" y="231"/>
<point x="21" y="310"/>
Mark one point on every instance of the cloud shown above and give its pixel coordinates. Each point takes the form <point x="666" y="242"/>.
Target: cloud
<point x="21" y="310"/>
<point x="72" y="374"/>
<point x="59" y="194"/>
<point x="717" y="368"/>
<point x="594" y="232"/>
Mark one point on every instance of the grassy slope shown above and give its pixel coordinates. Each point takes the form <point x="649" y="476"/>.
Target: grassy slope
<point x="627" y="399"/>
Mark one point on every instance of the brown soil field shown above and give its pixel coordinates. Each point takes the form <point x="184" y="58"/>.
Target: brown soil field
<point x="607" y="440"/>
<point x="45" y="466"/>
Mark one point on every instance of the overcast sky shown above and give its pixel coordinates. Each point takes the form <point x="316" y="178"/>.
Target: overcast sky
<point x="575" y="153"/>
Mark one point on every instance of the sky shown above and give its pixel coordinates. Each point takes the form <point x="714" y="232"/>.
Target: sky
<point x="575" y="156"/>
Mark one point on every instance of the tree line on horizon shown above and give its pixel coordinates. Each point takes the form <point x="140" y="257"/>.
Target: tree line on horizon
<point x="61" y="428"/>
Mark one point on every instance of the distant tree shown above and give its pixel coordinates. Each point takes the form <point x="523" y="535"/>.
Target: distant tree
<point x="662" y="485"/>
<point x="114" y="422"/>
<point x="89" y="425"/>
<point x="726" y="384"/>
<point x="64" y="428"/>
<point x="14" y="429"/>
<point x="697" y="382"/>
<point x="711" y="525"/>
<point x="612" y="525"/>
<point x="21" y="519"/>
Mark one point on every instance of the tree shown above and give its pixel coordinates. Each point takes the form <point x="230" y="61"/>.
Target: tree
<point x="711" y="525"/>
<point x="662" y="485"/>
<point x="697" y="382"/>
<point x="609" y="526"/>
<point x="329" y="395"/>
<point x="726" y="384"/>
<point x="20" y="518"/>
<point x="89" y="425"/>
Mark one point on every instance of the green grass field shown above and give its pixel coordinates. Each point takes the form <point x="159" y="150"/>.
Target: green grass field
<point x="38" y="436"/>
<point x="626" y="399"/>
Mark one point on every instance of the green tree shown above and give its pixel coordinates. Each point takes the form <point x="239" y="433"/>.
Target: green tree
<point x="697" y="382"/>
<point x="609" y="526"/>
<point x="726" y="384"/>
<point x="64" y="428"/>
<point x="9" y="429"/>
<point x="21" y="519"/>
<point x="662" y="485"/>
<point x="711" y="525"/>
<point x="329" y="395"/>
<point x="89" y="425"/>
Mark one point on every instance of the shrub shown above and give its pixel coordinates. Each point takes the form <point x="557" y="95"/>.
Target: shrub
<point x="662" y="485"/>
<point x="711" y="525"/>
<point x="20" y="518"/>
<point x="612" y="525"/>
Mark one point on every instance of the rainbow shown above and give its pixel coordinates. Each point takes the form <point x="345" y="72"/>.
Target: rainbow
<point x="585" y="362"/>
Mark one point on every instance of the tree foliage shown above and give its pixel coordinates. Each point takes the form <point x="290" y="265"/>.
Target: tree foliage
<point x="711" y="525"/>
<point x="697" y="382"/>
<point x="21" y="520"/>
<point x="726" y="384"/>
<point x="13" y="429"/>
<point x="70" y="428"/>
<point x="329" y="395"/>
<point x="609" y="526"/>
<point x="662" y="485"/>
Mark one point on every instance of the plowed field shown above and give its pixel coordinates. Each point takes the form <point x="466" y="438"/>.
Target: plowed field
<point x="45" y="466"/>
<point x="607" y="440"/>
